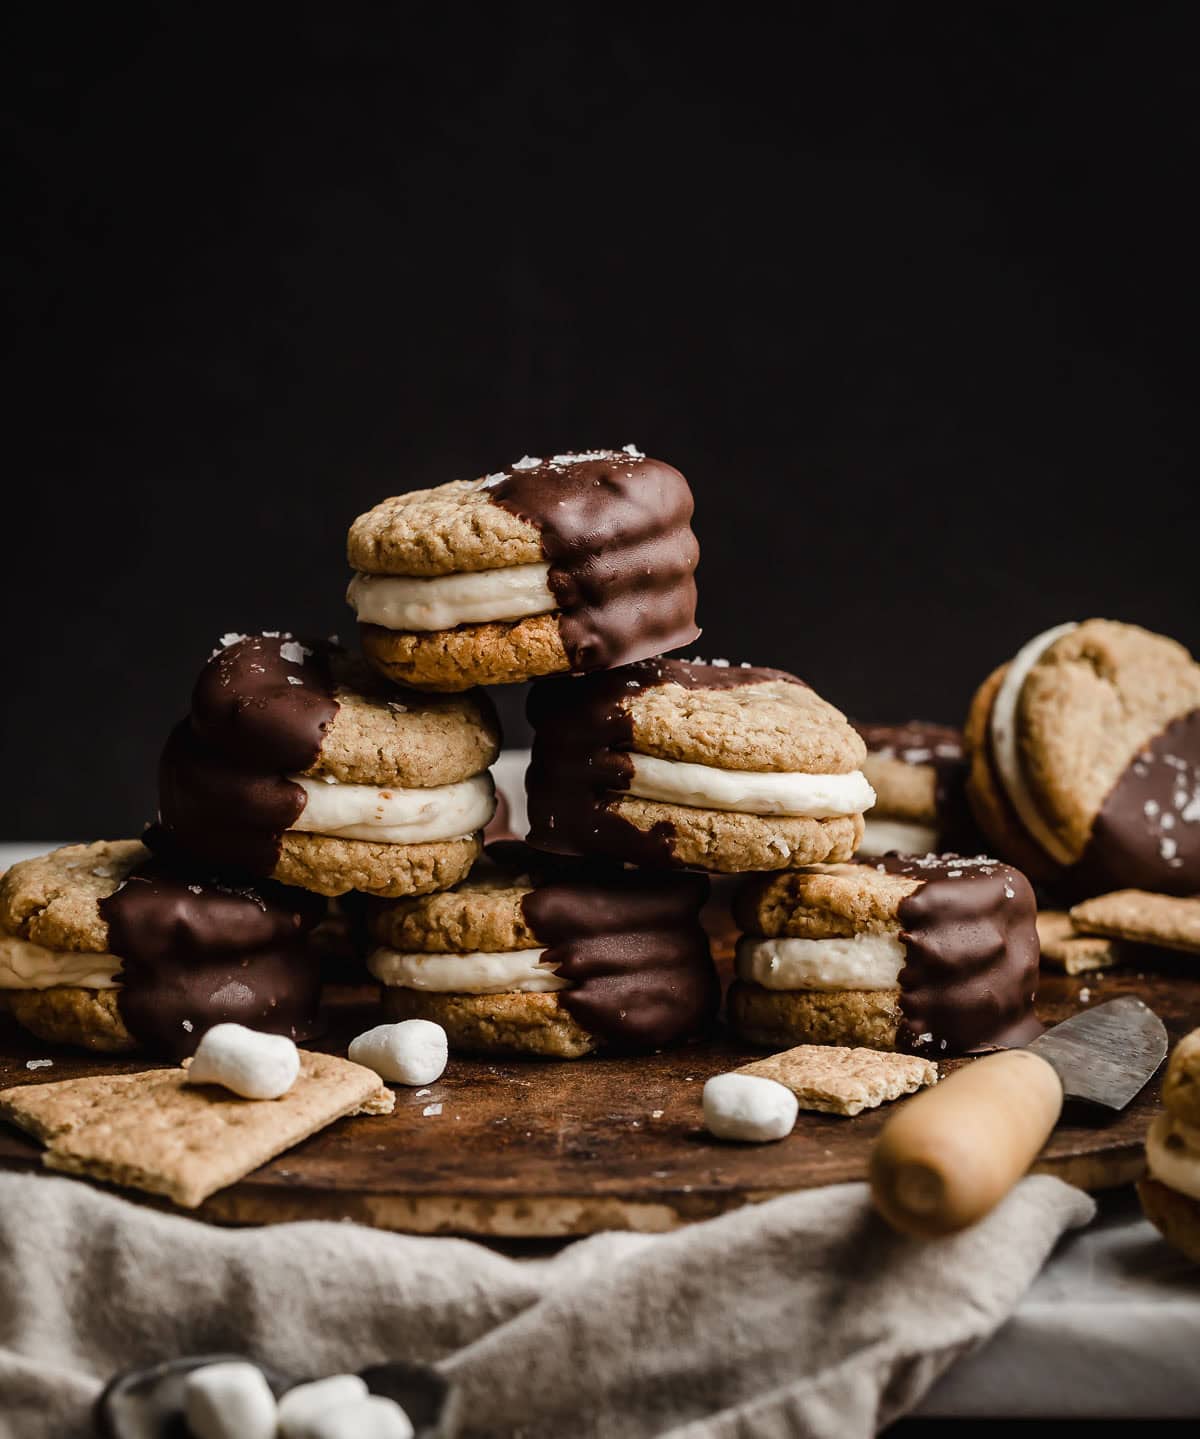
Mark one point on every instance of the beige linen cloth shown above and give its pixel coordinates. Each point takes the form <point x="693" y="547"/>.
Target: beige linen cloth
<point x="802" y="1316"/>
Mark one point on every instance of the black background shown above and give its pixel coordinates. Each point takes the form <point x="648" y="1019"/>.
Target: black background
<point x="900" y="288"/>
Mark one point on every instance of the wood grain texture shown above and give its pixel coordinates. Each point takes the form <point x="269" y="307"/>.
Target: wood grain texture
<point x="525" y="1150"/>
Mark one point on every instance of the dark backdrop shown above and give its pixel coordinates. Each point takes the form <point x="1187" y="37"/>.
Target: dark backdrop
<point x="900" y="288"/>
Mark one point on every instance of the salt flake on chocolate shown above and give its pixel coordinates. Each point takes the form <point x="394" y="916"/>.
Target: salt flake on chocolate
<point x="294" y="652"/>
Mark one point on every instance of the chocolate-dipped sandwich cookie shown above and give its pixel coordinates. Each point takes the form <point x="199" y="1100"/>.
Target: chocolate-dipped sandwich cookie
<point x="108" y="947"/>
<point x="542" y="956"/>
<point x="569" y="563"/>
<point x="930" y="954"/>
<point x="679" y="763"/>
<point x="296" y="763"/>
<point x="1085" y="759"/>
<point x="1170" y="1193"/>
<point x="918" y="772"/>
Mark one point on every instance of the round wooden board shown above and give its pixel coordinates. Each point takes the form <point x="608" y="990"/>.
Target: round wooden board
<point x="540" y="1150"/>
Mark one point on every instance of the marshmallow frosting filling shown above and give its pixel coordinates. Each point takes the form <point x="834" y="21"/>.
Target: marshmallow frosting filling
<point x="393" y="815"/>
<point x="24" y="965"/>
<point x="702" y="786"/>
<point x="1173" y="1155"/>
<point x="1006" y="752"/>
<point x="518" y="970"/>
<point x="881" y="836"/>
<point x="860" y="961"/>
<point x="403" y="602"/>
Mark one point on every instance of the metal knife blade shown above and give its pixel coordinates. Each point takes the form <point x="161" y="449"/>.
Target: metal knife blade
<point x="1106" y="1055"/>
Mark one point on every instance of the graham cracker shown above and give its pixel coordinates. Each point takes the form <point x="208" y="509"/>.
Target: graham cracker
<point x="1074" y="953"/>
<point x="156" y="1132"/>
<point x="839" y="1080"/>
<point x="1144" y="918"/>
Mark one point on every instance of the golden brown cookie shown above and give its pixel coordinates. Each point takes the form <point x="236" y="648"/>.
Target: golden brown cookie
<point x="918" y="772"/>
<point x="836" y="1079"/>
<point x="929" y="954"/>
<point x="1063" y="947"/>
<point x="714" y="766"/>
<point x="1142" y="918"/>
<point x="573" y="562"/>
<point x="1170" y="1193"/>
<point x="1085" y="757"/>
<point x="296" y="763"/>
<point x="1176" y="1216"/>
<point x="107" y="947"/>
<point x="556" y="957"/>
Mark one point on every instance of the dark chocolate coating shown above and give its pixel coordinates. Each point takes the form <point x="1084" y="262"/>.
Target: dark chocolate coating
<point x="971" y="967"/>
<point x="920" y="742"/>
<point x="1147" y="833"/>
<point x="617" y="533"/>
<point x="198" y="951"/>
<point x="256" y="716"/>
<point x="580" y="759"/>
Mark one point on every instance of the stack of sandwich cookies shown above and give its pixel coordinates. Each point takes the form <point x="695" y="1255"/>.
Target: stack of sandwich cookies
<point x="542" y="957"/>
<point x="295" y="763"/>
<point x="574" y="563"/>
<point x="1170" y="1194"/>
<point x="108" y="947"/>
<point x="1085" y="759"/>
<point x="918" y="772"/>
<point x="670" y="763"/>
<point x="933" y="955"/>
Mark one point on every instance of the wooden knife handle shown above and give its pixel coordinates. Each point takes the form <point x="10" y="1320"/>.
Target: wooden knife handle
<point x="951" y="1154"/>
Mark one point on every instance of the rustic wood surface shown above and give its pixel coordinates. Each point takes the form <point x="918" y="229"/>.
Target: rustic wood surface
<point x="525" y="1150"/>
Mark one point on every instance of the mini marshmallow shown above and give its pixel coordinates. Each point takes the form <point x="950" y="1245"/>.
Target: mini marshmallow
<point x="300" y="1407"/>
<point x="411" y="1052"/>
<point x="229" y="1401"/>
<point x="748" y="1107"/>
<point x="254" y="1065"/>
<point x="371" y="1418"/>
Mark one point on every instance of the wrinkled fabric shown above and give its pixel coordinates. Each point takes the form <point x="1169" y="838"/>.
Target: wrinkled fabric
<point x="804" y="1315"/>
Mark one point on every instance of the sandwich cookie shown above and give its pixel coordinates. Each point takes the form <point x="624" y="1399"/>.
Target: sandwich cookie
<point x="296" y="764"/>
<point x="918" y="772"/>
<point x="1085" y="759"/>
<point x="1170" y="1193"/>
<point x="574" y="563"/>
<point x="934" y="955"/>
<point x="108" y="947"/>
<point x="680" y="763"/>
<point x="537" y="956"/>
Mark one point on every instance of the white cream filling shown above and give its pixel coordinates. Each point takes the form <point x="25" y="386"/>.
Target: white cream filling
<point x="396" y="816"/>
<point x="1005" y="751"/>
<point x="24" y="965"/>
<point x="405" y="602"/>
<point x="807" y="796"/>
<point x="880" y="836"/>
<point x="1175" y="1165"/>
<point x="860" y="961"/>
<point x="518" y="970"/>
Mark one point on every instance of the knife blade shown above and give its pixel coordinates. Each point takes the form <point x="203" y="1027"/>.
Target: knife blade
<point x="1106" y="1055"/>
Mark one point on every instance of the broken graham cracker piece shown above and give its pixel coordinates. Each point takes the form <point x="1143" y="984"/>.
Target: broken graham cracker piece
<point x="1142" y="917"/>
<point x="1065" y="948"/>
<point x="838" y="1080"/>
<point x="156" y="1132"/>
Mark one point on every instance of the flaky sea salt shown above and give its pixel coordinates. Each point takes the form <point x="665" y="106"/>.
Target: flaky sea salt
<point x="39" y="1063"/>
<point x="294" y="652"/>
<point x="527" y="462"/>
<point x="431" y="1110"/>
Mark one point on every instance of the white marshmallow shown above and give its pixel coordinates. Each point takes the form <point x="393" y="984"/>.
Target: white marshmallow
<point x="441" y="602"/>
<point x="371" y="1418"/>
<point x="880" y="836"/>
<point x="300" y="1406"/>
<point x="254" y="1065"/>
<point x="229" y="1401"/>
<point x="25" y="965"/>
<point x="704" y="786"/>
<point x="520" y="971"/>
<point x="388" y="814"/>
<point x="411" y="1052"/>
<point x="748" y="1107"/>
<point x="860" y="961"/>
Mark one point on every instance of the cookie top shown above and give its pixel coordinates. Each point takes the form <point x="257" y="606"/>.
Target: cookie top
<point x="1181" y="1086"/>
<point x="591" y="735"/>
<point x="629" y="944"/>
<point x="968" y="927"/>
<point x="189" y="944"/>
<point x="268" y="709"/>
<point x="613" y="526"/>
<point x="1095" y="737"/>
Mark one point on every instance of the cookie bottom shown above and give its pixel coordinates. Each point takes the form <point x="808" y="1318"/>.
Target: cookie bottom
<point x="495" y="1024"/>
<point x="781" y="1019"/>
<point x="1176" y="1216"/>
<point x="66" y="1014"/>
<point x="728" y="842"/>
<point x="330" y="866"/>
<point x="495" y="653"/>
